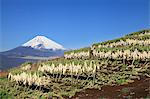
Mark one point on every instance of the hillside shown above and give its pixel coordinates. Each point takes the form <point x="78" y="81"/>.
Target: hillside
<point x="119" y="64"/>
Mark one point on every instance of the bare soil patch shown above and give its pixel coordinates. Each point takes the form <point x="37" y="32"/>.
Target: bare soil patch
<point x="137" y="89"/>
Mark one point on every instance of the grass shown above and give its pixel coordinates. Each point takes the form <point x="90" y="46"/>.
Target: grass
<point x="65" y="89"/>
<point x="110" y="73"/>
<point x="125" y="90"/>
<point x="133" y="35"/>
<point x="9" y="90"/>
<point x="86" y="49"/>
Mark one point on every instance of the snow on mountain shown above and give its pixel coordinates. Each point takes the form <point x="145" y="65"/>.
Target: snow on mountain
<point x="38" y="48"/>
<point x="42" y="42"/>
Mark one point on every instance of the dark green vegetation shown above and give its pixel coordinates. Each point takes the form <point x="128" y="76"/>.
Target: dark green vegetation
<point x="110" y="63"/>
<point x="143" y="34"/>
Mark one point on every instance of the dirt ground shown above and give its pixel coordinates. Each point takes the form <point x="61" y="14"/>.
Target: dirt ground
<point x="3" y="73"/>
<point x="136" y="90"/>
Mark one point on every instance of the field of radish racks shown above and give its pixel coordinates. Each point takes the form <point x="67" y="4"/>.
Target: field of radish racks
<point x="114" y="62"/>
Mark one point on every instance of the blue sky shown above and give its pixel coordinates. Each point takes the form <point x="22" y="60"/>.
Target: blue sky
<point x="72" y="23"/>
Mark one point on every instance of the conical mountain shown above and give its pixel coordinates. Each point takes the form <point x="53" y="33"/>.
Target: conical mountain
<point x="42" y="42"/>
<point x="38" y="48"/>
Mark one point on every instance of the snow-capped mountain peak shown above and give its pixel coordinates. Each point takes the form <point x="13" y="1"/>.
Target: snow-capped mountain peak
<point x="42" y="42"/>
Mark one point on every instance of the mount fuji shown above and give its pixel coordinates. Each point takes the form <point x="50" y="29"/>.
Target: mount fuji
<point x="42" y="42"/>
<point x="38" y="48"/>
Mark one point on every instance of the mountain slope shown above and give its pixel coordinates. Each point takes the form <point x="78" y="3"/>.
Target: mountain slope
<point x="9" y="62"/>
<point x="135" y="44"/>
<point x="42" y="42"/>
<point x="22" y="51"/>
<point x="39" y="46"/>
